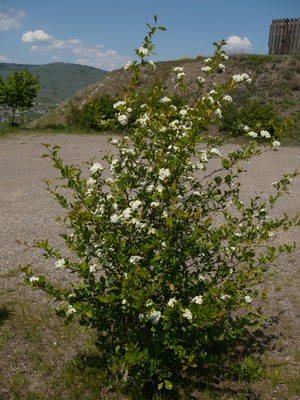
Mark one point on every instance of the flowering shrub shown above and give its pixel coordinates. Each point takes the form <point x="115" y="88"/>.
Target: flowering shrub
<point x="166" y="255"/>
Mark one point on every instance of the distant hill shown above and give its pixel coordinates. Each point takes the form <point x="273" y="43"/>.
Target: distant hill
<point x="58" y="81"/>
<point x="276" y="81"/>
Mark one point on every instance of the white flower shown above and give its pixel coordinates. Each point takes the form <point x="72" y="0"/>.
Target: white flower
<point x="150" y="188"/>
<point x="265" y="134"/>
<point x="227" y="98"/>
<point x="114" y="218"/>
<point x="201" y="79"/>
<point x="60" y="263"/>
<point x="143" y="51"/>
<point x="276" y="143"/>
<point x="136" y="204"/>
<point x="164" y="100"/>
<point x="114" y="164"/>
<point x="172" y="302"/>
<point x="119" y="104"/>
<point x="128" y="65"/>
<point x="224" y="297"/>
<point x="247" y="78"/>
<point x="134" y="259"/>
<point x="141" y="317"/>
<point x="218" y="113"/>
<point x="154" y="204"/>
<point x="124" y="150"/>
<point x="123" y="119"/>
<point x="143" y="120"/>
<point x="197" y="300"/>
<point x="33" y="279"/>
<point x="240" y="78"/>
<point x="246" y="128"/>
<point x="207" y="60"/>
<point x="224" y="56"/>
<point x="93" y="268"/>
<point x="206" y="69"/>
<point x="127" y="213"/>
<point x="215" y="152"/>
<point x="252" y="134"/>
<point x="151" y="63"/>
<point x="154" y="316"/>
<point x="187" y="314"/>
<point x="163" y="173"/>
<point x="90" y="182"/>
<point x="115" y="141"/>
<point x="159" y="188"/>
<point x="96" y="167"/>
<point x="237" y="78"/>
<point x="180" y="75"/>
<point x="70" y="310"/>
<point x="124" y="301"/>
<point x="204" y="156"/>
<point x="221" y="67"/>
<point x="248" y="299"/>
<point x="183" y="112"/>
<point x="178" y="69"/>
<point x="151" y="231"/>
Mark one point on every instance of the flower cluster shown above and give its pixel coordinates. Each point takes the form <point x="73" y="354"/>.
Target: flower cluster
<point x="241" y="78"/>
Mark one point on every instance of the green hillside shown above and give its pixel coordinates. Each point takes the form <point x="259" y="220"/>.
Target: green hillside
<point x="58" y="81"/>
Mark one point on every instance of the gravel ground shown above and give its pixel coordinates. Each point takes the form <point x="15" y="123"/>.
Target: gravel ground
<point x="28" y="211"/>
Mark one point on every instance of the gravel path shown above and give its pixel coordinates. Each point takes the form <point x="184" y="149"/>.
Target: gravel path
<point x="28" y="211"/>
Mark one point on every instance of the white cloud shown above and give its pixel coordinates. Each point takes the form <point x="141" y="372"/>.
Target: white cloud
<point x="4" y="59"/>
<point x="97" y="57"/>
<point x="11" y="18"/>
<point x="82" y="53"/>
<point x="235" y="44"/>
<point x="36" y="36"/>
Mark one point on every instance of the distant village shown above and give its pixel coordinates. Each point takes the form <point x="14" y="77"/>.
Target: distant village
<point x="37" y="111"/>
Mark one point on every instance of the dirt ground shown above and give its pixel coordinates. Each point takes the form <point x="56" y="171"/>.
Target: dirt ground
<point x="27" y="211"/>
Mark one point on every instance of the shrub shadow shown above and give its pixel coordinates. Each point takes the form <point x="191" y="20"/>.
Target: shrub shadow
<point x="5" y="314"/>
<point x="219" y="378"/>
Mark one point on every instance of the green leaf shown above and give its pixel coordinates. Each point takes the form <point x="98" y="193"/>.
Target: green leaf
<point x="27" y="269"/>
<point x="104" y="299"/>
<point x="168" y="385"/>
<point x="89" y="313"/>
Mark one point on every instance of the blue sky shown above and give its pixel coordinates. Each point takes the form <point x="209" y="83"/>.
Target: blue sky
<point x="104" y="34"/>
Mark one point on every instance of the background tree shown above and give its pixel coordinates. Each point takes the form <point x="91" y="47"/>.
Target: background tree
<point x="19" y="91"/>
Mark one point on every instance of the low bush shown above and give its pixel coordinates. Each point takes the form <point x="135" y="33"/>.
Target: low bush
<point x="88" y="115"/>
<point x="252" y="113"/>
